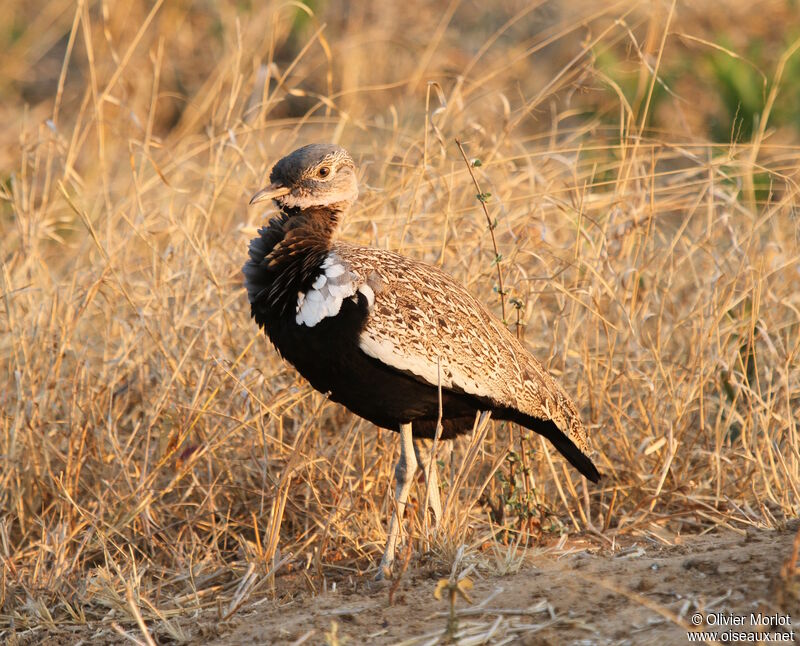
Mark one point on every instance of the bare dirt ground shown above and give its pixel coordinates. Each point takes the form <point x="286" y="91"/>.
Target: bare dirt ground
<point x="577" y="593"/>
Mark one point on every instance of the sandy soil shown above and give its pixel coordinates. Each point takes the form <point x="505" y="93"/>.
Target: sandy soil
<point x="577" y="593"/>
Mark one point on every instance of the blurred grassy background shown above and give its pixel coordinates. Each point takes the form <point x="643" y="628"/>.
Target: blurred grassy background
<point x="158" y="458"/>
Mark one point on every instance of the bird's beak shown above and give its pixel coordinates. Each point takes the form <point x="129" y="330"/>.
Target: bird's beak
<point x="270" y="192"/>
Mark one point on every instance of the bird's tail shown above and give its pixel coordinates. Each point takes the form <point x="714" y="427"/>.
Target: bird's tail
<point x="557" y="438"/>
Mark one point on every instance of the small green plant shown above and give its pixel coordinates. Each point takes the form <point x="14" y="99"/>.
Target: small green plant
<point x="454" y="588"/>
<point x="520" y="507"/>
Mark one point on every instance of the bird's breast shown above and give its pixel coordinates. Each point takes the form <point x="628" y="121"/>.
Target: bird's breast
<point x="326" y="351"/>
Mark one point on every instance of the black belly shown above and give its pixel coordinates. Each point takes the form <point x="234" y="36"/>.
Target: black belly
<point x="328" y="356"/>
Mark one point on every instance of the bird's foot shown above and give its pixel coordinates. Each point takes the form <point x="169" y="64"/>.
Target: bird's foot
<point x="384" y="573"/>
<point x="385" y="568"/>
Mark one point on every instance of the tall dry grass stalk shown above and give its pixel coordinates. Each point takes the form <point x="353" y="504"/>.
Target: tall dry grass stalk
<point x="157" y="458"/>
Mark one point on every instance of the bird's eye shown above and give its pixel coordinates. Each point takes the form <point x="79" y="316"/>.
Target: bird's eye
<point x="323" y="171"/>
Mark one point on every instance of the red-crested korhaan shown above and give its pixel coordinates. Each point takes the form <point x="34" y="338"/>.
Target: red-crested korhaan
<point x="380" y="332"/>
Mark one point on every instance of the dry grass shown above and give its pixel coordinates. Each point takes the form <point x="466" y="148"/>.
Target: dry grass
<point x="158" y="459"/>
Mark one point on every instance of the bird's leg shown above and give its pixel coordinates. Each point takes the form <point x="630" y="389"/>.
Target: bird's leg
<point x="404" y="475"/>
<point x="425" y="457"/>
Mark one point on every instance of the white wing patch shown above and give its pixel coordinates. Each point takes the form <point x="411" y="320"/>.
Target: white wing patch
<point x="369" y="293"/>
<point x="328" y="292"/>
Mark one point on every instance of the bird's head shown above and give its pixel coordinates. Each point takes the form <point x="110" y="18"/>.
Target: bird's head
<point x="317" y="175"/>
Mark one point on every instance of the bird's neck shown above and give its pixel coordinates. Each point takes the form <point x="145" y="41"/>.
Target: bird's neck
<point x="286" y="258"/>
<point x="301" y="205"/>
<point x="314" y="220"/>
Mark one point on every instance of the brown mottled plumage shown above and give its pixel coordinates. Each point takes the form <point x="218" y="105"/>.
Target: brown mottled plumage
<point x="380" y="332"/>
<point x="422" y="313"/>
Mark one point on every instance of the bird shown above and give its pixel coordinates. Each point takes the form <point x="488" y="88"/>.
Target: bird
<point x="381" y="333"/>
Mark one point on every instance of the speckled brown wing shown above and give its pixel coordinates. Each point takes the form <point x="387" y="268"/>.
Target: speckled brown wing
<point x="420" y="314"/>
